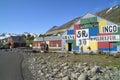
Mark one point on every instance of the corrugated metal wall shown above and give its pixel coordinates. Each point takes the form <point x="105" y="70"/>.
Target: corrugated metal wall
<point x="93" y="31"/>
<point x="76" y="27"/>
<point x="88" y="20"/>
<point x="94" y="25"/>
<point x="105" y="44"/>
<point x="70" y="32"/>
<point x="101" y="24"/>
<point x="93" y="45"/>
<point x="55" y="43"/>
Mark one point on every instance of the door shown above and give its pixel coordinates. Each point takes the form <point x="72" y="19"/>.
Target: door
<point x="69" y="46"/>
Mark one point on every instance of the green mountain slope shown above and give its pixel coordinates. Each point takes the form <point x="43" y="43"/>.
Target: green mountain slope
<point x="111" y="14"/>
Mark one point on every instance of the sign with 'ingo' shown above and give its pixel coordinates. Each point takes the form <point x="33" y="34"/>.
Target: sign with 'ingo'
<point x="82" y="37"/>
<point x="110" y="29"/>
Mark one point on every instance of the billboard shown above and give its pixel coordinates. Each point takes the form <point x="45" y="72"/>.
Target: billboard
<point x="110" y="29"/>
<point x="82" y="37"/>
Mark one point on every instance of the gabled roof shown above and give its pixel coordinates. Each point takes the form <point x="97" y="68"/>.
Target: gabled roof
<point x="18" y="39"/>
<point x="48" y="38"/>
<point x="88" y="15"/>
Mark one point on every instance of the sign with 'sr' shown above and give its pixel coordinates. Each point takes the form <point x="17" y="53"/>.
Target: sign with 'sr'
<point x="82" y="37"/>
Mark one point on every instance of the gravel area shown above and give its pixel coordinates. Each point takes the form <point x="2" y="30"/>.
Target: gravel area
<point x="55" y="66"/>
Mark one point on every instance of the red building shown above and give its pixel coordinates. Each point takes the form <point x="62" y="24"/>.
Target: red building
<point x="53" y="42"/>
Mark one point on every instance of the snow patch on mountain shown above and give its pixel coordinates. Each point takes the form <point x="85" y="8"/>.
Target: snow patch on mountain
<point x="109" y="10"/>
<point x="116" y="7"/>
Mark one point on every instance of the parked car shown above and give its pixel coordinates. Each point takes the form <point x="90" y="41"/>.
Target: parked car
<point x="4" y="46"/>
<point x="1" y="46"/>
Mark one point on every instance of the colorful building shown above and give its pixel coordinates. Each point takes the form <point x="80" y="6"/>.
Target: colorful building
<point x="88" y="33"/>
<point x="92" y="33"/>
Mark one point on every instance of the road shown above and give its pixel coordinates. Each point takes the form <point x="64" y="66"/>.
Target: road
<point x="10" y="66"/>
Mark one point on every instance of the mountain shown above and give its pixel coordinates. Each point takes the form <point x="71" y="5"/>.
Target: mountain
<point x="30" y="34"/>
<point x="62" y="28"/>
<point x="112" y="14"/>
<point x="6" y="35"/>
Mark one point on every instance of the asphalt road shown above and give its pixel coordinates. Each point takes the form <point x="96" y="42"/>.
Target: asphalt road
<point x="10" y="66"/>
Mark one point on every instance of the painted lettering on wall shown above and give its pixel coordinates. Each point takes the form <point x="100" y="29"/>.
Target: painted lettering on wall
<point x="110" y="29"/>
<point x="81" y="37"/>
<point x="106" y="38"/>
<point x="68" y="37"/>
<point x="83" y="42"/>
